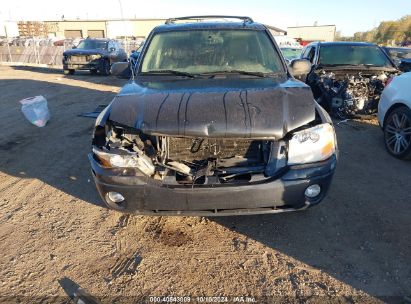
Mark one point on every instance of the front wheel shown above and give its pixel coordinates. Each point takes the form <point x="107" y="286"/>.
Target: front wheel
<point x="397" y="133"/>
<point x="105" y="68"/>
<point x="69" y="72"/>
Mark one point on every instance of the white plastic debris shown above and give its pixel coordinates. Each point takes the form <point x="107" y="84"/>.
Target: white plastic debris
<point x="35" y="110"/>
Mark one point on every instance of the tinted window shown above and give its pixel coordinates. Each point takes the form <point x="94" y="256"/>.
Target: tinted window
<point x="306" y="52"/>
<point x="207" y="51"/>
<point x="311" y="54"/>
<point x="353" y="55"/>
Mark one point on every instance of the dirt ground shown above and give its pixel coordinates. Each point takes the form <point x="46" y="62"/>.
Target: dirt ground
<point x="354" y="247"/>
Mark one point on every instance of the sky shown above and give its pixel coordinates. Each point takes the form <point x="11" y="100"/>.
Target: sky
<point x="349" y="16"/>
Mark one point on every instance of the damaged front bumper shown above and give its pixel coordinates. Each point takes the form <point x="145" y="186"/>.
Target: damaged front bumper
<point x="92" y="64"/>
<point x="281" y="193"/>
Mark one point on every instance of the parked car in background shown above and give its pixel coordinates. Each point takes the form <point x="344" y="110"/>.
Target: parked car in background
<point x="95" y="55"/>
<point x="213" y="124"/>
<point x="400" y="56"/>
<point x="394" y="116"/>
<point x="347" y="78"/>
<point x="291" y="53"/>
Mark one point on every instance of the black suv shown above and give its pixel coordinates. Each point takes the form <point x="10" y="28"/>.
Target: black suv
<point x="213" y="123"/>
<point x="347" y="78"/>
<point x="95" y="55"/>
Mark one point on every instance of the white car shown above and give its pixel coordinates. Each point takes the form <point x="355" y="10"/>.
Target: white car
<point x="394" y="116"/>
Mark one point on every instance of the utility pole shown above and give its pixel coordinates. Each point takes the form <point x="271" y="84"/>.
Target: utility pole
<point x="7" y="39"/>
<point x="124" y="26"/>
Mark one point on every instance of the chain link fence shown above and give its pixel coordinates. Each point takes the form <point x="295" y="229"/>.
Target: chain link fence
<point x="27" y="52"/>
<point x="40" y="55"/>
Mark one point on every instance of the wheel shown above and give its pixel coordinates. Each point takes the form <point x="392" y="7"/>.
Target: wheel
<point x="93" y="72"/>
<point x="105" y="68"/>
<point x="397" y="133"/>
<point x="69" y="72"/>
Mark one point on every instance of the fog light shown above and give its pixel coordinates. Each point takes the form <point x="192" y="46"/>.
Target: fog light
<point x="313" y="191"/>
<point x="115" y="197"/>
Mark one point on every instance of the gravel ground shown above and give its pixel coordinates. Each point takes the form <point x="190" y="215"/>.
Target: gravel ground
<point x="55" y="233"/>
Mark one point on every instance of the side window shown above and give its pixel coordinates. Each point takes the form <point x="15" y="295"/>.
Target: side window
<point x="311" y="54"/>
<point x="306" y="52"/>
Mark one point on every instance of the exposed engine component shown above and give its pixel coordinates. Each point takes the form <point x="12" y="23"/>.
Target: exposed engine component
<point x="348" y="96"/>
<point x="193" y="160"/>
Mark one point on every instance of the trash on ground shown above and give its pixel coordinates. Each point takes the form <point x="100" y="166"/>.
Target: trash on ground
<point x="35" y="110"/>
<point x="93" y="114"/>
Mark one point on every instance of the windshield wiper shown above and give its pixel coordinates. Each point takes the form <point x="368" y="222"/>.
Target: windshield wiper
<point x="174" y="72"/>
<point x="258" y="74"/>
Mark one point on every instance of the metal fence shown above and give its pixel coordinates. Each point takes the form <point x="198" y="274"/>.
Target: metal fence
<point x="43" y="52"/>
<point x="41" y="55"/>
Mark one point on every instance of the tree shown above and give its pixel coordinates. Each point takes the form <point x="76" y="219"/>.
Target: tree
<point x="387" y="32"/>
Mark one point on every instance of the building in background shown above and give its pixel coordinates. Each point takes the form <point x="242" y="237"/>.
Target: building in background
<point x="102" y="28"/>
<point x="307" y="34"/>
<point x="275" y="31"/>
<point x="115" y="28"/>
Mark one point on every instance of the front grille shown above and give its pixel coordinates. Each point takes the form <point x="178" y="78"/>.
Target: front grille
<point x="190" y="149"/>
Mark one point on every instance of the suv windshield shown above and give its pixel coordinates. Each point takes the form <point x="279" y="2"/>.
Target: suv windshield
<point x="92" y="44"/>
<point x="212" y="51"/>
<point x="353" y="55"/>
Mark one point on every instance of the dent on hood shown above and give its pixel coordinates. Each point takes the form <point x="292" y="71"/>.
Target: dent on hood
<point x="265" y="111"/>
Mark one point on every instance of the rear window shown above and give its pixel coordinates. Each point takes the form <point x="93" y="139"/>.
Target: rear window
<point x="353" y="55"/>
<point x="207" y="51"/>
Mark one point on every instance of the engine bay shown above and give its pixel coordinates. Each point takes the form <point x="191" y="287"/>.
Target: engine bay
<point x="349" y="94"/>
<point x="195" y="161"/>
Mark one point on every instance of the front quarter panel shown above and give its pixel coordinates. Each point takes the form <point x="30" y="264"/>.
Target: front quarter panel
<point x="398" y="92"/>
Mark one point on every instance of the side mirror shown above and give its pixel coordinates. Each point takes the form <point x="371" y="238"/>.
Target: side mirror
<point x="112" y="49"/>
<point x="120" y="68"/>
<point x="300" y="68"/>
<point x="133" y="51"/>
<point x="74" y="47"/>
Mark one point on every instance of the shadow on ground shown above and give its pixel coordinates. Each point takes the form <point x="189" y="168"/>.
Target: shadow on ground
<point x="57" y="153"/>
<point x="79" y="75"/>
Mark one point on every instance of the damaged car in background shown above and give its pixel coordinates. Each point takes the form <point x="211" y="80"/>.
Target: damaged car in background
<point x="213" y="123"/>
<point x="347" y="78"/>
<point x="93" y="54"/>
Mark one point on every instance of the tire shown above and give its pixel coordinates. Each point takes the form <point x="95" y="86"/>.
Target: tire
<point x="69" y="72"/>
<point x="397" y="133"/>
<point x="105" y="68"/>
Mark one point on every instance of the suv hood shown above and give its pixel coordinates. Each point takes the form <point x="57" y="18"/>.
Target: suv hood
<point x="238" y="108"/>
<point x="84" y="52"/>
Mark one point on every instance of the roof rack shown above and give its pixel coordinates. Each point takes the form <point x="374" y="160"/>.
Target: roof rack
<point x="244" y="18"/>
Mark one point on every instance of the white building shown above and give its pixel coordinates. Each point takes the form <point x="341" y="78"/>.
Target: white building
<point x="324" y="33"/>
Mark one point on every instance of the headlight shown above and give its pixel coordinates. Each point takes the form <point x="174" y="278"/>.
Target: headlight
<point x="94" y="57"/>
<point x="132" y="160"/>
<point x="312" y="145"/>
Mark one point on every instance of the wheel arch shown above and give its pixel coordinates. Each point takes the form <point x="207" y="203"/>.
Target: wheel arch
<point x="392" y="108"/>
